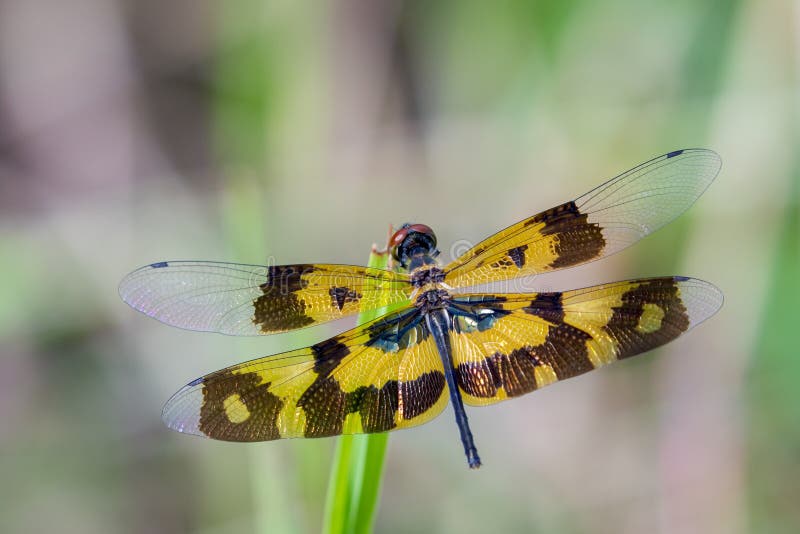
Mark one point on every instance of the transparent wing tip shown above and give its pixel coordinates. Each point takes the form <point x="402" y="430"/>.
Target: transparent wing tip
<point x="702" y="299"/>
<point x="182" y="411"/>
<point x="707" y="161"/>
<point x="132" y="288"/>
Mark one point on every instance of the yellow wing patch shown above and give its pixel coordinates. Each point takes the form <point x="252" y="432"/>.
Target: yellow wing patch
<point x="381" y="376"/>
<point x="557" y="238"/>
<point x="235" y="410"/>
<point x="650" y="321"/>
<point x="528" y="341"/>
<point x="301" y="295"/>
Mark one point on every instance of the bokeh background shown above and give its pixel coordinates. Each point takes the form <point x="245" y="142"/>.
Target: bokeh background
<point x="255" y="131"/>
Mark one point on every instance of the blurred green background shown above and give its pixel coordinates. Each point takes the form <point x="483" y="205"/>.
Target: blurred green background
<point x="254" y="131"/>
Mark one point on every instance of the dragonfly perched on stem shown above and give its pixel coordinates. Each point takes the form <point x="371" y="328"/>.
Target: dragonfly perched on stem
<point x="441" y="342"/>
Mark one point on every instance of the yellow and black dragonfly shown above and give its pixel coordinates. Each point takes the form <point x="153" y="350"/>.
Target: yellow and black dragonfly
<point x="441" y="341"/>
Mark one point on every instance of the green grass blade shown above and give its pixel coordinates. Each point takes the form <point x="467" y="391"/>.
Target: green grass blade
<point x="368" y="453"/>
<point x="337" y="505"/>
<point x="773" y="408"/>
<point x="355" y="481"/>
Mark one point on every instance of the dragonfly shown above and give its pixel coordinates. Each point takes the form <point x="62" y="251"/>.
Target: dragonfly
<point x="440" y="341"/>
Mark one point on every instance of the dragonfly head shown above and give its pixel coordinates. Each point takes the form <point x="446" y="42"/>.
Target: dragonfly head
<point x="412" y="240"/>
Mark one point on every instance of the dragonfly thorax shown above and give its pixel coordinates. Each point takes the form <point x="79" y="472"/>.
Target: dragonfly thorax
<point x="433" y="299"/>
<point x="427" y="275"/>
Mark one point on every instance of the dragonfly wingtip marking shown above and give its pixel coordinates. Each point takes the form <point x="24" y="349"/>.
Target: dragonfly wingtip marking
<point x="159" y="264"/>
<point x="674" y="153"/>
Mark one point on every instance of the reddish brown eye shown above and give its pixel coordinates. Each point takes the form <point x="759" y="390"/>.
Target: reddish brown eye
<point x="422" y="229"/>
<point x="411" y="237"/>
<point x="398" y="237"/>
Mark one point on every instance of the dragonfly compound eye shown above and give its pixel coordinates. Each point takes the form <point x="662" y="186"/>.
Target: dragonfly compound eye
<point x="412" y="239"/>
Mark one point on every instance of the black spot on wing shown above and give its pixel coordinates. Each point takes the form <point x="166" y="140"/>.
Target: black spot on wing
<point x="564" y="349"/>
<point x="562" y="213"/>
<point x="263" y="406"/>
<point x="342" y="295"/>
<point x="513" y="371"/>
<point x="478" y="251"/>
<point x="548" y="306"/>
<point x="328" y="355"/>
<point x="377" y="406"/>
<point x="421" y="394"/>
<point x="280" y="308"/>
<point x="275" y="311"/>
<point x="159" y="265"/>
<point x="287" y="278"/>
<point x="674" y="153"/>
<point x="577" y="240"/>
<point x="662" y="292"/>
<point x="516" y="371"/>
<point x="517" y="255"/>
<point x="477" y="379"/>
<point x="325" y="406"/>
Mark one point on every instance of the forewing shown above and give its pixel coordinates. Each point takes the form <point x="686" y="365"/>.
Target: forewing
<point x="601" y="222"/>
<point x="381" y="376"/>
<point x="241" y="299"/>
<point x="508" y="345"/>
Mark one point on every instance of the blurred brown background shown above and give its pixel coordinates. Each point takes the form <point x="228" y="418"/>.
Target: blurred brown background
<point x="138" y="131"/>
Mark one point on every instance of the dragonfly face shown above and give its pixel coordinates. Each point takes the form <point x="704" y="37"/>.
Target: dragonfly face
<point x="413" y="243"/>
<point x="442" y="342"/>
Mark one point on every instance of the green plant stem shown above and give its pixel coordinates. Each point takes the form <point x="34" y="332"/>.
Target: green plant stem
<point x="357" y="471"/>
